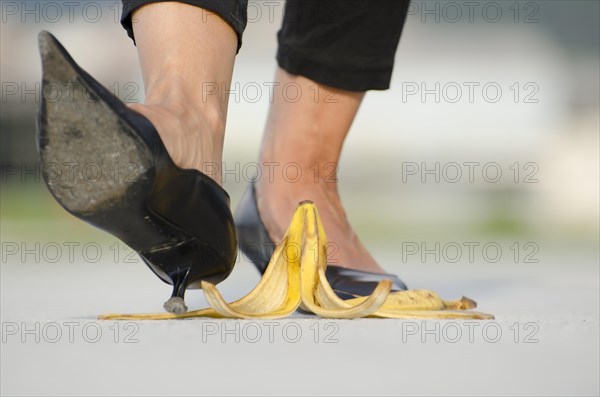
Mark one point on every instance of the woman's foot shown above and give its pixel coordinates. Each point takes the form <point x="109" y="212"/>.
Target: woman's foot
<point x="302" y="146"/>
<point x="168" y="216"/>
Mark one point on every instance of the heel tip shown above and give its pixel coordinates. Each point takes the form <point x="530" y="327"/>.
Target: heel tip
<point x="175" y="305"/>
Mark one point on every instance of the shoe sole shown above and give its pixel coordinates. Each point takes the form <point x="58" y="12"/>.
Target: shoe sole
<point x="90" y="157"/>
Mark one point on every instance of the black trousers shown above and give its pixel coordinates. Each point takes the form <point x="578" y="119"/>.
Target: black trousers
<point x="345" y="44"/>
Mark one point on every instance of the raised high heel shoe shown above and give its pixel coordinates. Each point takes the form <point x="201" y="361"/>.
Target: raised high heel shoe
<point x="255" y="243"/>
<point x="123" y="181"/>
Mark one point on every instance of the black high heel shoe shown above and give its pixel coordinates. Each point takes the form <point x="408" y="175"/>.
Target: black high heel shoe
<point x="255" y="243"/>
<point x="122" y="180"/>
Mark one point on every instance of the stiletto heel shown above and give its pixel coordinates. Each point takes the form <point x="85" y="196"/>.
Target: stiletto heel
<point x="176" y="303"/>
<point x="255" y="243"/>
<point x="177" y="220"/>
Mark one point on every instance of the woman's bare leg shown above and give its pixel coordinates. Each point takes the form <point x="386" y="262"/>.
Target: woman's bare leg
<point x="184" y="51"/>
<point x="309" y="132"/>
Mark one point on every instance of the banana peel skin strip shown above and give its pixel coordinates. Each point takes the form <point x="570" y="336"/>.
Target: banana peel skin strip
<point x="277" y="295"/>
<point x="325" y="302"/>
<point x="295" y="277"/>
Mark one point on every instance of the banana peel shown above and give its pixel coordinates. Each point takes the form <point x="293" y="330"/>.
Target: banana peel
<point x="295" y="277"/>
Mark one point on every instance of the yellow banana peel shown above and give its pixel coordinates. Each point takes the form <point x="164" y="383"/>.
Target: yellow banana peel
<point x="295" y="277"/>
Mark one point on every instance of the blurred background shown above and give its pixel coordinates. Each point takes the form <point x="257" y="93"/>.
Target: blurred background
<point x="489" y="132"/>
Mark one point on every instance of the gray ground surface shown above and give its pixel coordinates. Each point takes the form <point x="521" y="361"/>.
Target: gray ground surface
<point x="544" y="341"/>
